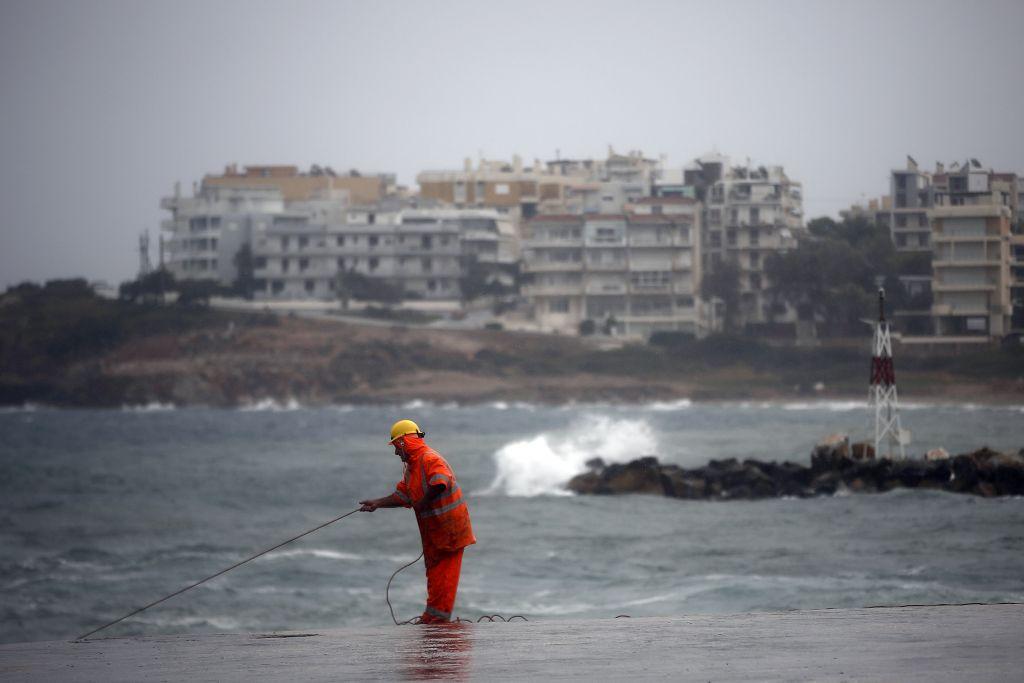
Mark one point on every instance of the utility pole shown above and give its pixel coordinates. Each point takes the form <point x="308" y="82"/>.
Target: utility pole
<point x="882" y="394"/>
<point x="145" y="266"/>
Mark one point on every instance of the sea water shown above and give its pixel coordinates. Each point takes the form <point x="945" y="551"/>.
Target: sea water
<point x="102" y="511"/>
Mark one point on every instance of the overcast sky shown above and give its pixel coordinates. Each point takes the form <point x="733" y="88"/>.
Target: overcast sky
<point x="106" y="104"/>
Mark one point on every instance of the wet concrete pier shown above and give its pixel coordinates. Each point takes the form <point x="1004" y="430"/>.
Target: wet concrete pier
<point x="933" y="643"/>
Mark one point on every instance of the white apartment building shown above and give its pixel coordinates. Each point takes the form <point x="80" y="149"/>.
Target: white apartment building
<point x="206" y="231"/>
<point x="423" y="252"/>
<point x="633" y="273"/>
<point x="971" y="262"/>
<point x="749" y="213"/>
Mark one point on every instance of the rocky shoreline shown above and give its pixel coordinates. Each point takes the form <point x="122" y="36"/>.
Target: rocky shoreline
<point x="836" y="466"/>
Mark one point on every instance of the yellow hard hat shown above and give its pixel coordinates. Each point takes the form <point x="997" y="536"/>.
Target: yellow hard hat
<point x="403" y="427"/>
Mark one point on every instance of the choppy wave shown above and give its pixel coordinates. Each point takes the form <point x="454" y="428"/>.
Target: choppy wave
<point x="543" y="464"/>
<point x="151" y="407"/>
<point x="669" y="406"/>
<point x="324" y="554"/>
<point x="269" y="404"/>
<point x="23" y="408"/>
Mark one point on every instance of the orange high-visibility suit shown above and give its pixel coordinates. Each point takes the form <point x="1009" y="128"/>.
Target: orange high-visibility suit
<point x="444" y="527"/>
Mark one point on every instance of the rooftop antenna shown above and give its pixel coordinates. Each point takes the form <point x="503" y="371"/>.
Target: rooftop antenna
<point x="882" y="393"/>
<point x="145" y="266"/>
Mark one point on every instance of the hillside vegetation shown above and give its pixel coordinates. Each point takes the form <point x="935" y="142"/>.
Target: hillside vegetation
<point x="61" y="344"/>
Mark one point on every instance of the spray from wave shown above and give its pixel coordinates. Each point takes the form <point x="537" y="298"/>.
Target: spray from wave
<point x="543" y="464"/>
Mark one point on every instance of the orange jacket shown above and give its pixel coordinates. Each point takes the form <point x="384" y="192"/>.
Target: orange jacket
<point x="445" y="525"/>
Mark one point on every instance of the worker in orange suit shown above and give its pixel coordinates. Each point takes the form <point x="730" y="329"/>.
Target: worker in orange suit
<point x="429" y="487"/>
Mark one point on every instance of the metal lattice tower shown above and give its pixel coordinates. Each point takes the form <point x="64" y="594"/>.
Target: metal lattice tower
<point x="145" y="266"/>
<point x="882" y="395"/>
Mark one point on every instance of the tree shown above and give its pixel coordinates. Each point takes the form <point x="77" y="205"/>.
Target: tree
<point x="724" y="283"/>
<point x="148" y="288"/>
<point x="476" y="281"/>
<point x="352" y="285"/>
<point x="245" y="280"/>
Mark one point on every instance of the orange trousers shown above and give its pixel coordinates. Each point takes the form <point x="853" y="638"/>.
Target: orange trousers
<point x="443" y="568"/>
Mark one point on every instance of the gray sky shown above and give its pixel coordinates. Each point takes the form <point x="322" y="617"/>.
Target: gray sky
<point x="106" y="104"/>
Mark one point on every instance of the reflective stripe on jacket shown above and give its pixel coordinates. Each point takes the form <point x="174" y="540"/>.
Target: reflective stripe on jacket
<point x="445" y="524"/>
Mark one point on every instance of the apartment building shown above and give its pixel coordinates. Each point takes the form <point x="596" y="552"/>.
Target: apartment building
<point x="422" y="252"/>
<point x="632" y="274"/>
<point x="299" y="186"/>
<point x="971" y="281"/>
<point x="912" y="196"/>
<point x="507" y="187"/>
<point x="206" y="231"/>
<point x="749" y="213"/>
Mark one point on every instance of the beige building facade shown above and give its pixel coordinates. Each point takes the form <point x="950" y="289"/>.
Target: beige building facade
<point x="629" y="274"/>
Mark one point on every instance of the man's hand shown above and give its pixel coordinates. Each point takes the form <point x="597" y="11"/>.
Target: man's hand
<point x="368" y="505"/>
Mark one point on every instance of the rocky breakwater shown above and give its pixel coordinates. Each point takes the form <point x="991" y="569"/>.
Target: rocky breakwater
<point x="835" y="467"/>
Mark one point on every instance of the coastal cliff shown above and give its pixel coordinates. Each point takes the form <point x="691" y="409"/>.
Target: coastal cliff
<point x="834" y="468"/>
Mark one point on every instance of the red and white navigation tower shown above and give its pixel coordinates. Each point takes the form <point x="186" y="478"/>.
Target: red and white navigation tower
<point x="882" y="394"/>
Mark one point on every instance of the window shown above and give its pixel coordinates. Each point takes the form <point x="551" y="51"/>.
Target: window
<point x="684" y="234"/>
<point x="310" y="285"/>
<point x="684" y="302"/>
<point x="501" y="188"/>
<point x="650" y="278"/>
<point x="276" y="286"/>
<point x="558" y="306"/>
<point x="755" y="215"/>
<point x="303" y="242"/>
<point x="285" y="264"/>
<point x="341" y="264"/>
<point x="755" y="260"/>
<point x="431" y="285"/>
<point x="303" y="264"/>
<point x="371" y="218"/>
<point x="730" y="237"/>
<point x="374" y="240"/>
<point x="755" y="237"/>
<point x="716" y="239"/>
<point x="284" y="243"/>
<point x="901" y="220"/>
<point x="374" y="262"/>
<point x="426" y="265"/>
<point x="214" y="221"/>
<point x="260" y="262"/>
<point x="715" y="216"/>
<point x="755" y="280"/>
<point x="734" y="216"/>
<point x="427" y="241"/>
<point x="340" y="240"/>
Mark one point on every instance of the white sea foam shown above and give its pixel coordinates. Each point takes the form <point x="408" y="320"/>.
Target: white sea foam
<point x="270" y="405"/>
<point x="151" y="407"/>
<point x="669" y="406"/>
<point x="831" y="406"/>
<point x="415" y="404"/>
<point x="324" y="554"/>
<point x="543" y="464"/>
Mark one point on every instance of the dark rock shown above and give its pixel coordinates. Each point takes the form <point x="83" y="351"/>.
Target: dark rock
<point x="830" y="453"/>
<point x="862" y="451"/>
<point x="834" y="467"/>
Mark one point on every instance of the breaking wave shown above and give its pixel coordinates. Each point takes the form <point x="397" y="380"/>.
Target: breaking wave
<point x="269" y="404"/>
<point x="543" y="464"/>
<point x="151" y="407"/>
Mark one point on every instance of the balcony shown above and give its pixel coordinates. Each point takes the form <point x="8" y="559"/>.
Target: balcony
<point x="964" y="287"/>
<point x="606" y="266"/>
<point x="606" y="288"/>
<point x="552" y="266"/>
<point x="552" y="290"/>
<point x="542" y="242"/>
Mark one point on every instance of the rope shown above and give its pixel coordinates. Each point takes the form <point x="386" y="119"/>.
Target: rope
<point x="387" y="595"/>
<point x="417" y="620"/>
<point x="223" y="571"/>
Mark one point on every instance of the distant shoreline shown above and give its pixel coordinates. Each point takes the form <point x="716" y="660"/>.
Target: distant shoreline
<point x="831" y="403"/>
